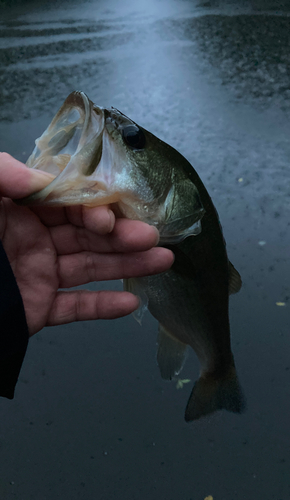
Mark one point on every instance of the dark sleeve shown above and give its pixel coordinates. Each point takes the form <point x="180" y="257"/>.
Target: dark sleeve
<point x="13" y="328"/>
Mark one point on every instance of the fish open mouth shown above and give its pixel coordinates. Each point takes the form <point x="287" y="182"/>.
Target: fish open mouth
<point x="71" y="149"/>
<point x="99" y="156"/>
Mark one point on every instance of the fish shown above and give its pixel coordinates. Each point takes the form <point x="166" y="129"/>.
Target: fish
<point x="100" y="156"/>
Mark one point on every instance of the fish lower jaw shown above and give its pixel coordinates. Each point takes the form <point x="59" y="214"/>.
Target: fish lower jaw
<point x="87" y="198"/>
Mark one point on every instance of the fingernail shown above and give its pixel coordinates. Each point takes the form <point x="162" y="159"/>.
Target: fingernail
<point x="157" y="235"/>
<point x="40" y="179"/>
<point x="112" y="220"/>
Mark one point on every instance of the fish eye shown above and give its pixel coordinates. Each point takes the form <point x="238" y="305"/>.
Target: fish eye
<point x="134" y="137"/>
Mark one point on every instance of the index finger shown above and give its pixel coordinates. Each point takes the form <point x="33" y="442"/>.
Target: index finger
<point x="127" y="236"/>
<point x="99" y="220"/>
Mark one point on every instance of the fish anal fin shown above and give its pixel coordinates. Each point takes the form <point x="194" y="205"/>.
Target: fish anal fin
<point x="235" y="281"/>
<point x="210" y="394"/>
<point x="170" y="354"/>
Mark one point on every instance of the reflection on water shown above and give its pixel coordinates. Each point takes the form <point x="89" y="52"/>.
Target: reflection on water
<point x="251" y="53"/>
<point x="92" y="418"/>
<point x="27" y="68"/>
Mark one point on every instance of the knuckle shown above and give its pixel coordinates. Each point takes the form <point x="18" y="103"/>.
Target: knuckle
<point x="90" y="267"/>
<point x="78" y="307"/>
<point x="5" y="156"/>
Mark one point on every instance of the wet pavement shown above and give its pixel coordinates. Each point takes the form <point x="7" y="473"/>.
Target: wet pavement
<point x="92" y="417"/>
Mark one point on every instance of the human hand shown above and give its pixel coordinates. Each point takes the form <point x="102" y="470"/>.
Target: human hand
<point x="53" y="248"/>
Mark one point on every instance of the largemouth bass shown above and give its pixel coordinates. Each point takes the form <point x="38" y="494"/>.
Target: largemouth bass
<point x="100" y="156"/>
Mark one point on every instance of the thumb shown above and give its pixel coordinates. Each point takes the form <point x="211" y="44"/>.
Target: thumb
<point x="17" y="180"/>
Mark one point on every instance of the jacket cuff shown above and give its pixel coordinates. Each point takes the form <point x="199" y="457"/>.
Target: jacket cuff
<point x="13" y="328"/>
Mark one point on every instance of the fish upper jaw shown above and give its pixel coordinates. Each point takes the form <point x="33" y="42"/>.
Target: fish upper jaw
<point x="115" y="120"/>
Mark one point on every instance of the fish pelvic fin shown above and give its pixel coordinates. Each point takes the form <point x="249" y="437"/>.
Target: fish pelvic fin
<point x="210" y="394"/>
<point x="170" y="354"/>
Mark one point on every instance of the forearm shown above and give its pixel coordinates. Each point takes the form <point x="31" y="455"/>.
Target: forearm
<point x="13" y="328"/>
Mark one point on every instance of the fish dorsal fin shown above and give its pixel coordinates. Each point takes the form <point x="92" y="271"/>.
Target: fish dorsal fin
<point x="170" y="354"/>
<point x="235" y="281"/>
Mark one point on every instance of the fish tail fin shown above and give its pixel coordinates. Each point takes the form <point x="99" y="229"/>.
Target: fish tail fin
<point x="210" y="394"/>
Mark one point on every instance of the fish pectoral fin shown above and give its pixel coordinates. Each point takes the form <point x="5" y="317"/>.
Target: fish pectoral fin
<point x="183" y="212"/>
<point x="134" y="285"/>
<point x="235" y="280"/>
<point x="170" y="354"/>
<point x="210" y="394"/>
